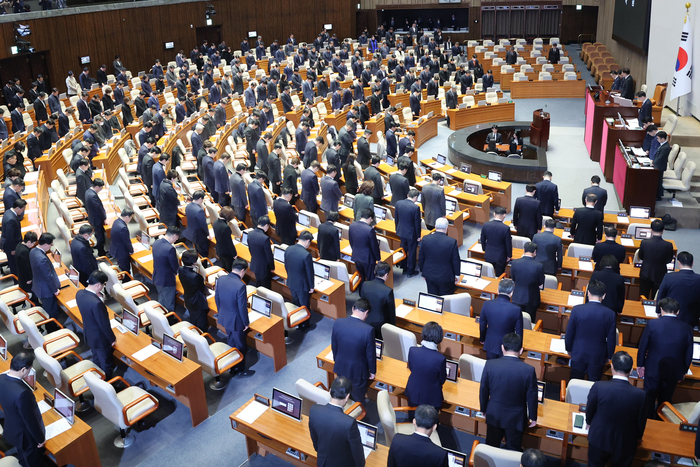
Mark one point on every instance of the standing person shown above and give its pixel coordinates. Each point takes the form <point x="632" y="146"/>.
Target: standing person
<point x="428" y="369"/>
<point x="329" y="238"/>
<point x="607" y="271"/>
<point x="168" y="200"/>
<point x="527" y="214"/>
<point x="372" y="174"/>
<point x="81" y="252"/>
<point x="601" y="194"/>
<point x="197" y="230"/>
<point x="609" y="247"/>
<point x="408" y="228"/>
<point x="353" y="346"/>
<point x="439" y="260"/>
<point x="380" y="298"/>
<point x="498" y="318"/>
<point x="664" y="356"/>
<point x="221" y="179"/>
<point x="300" y="271"/>
<point x="590" y="335"/>
<point x="121" y="247"/>
<point x="262" y="262"/>
<point x="334" y="434"/>
<point x="225" y="249"/>
<point x="330" y="190"/>
<point x="232" y="305"/>
<point x="98" y="332"/>
<point x="194" y="290"/>
<point x="285" y="217"/>
<point x="550" y="248"/>
<point x="655" y="253"/>
<point x="24" y="268"/>
<point x="508" y="395"/>
<point x="682" y="286"/>
<point x="11" y="234"/>
<point x="96" y="214"/>
<point x="239" y="198"/>
<point x="399" y="184"/>
<point x="45" y="283"/>
<point x="615" y="417"/>
<point x="587" y="223"/>
<point x="274" y="167"/>
<point x="289" y="179"/>
<point x="310" y="187"/>
<point x="528" y="276"/>
<point x="165" y="267"/>
<point x="364" y="244"/>
<point x="363" y="199"/>
<point x="433" y="201"/>
<point x="496" y="241"/>
<point x="418" y="449"/>
<point x="548" y="195"/>
<point x="24" y="427"/>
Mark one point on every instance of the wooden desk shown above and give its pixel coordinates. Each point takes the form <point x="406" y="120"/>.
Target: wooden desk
<point x="336" y="119"/>
<point x="634" y="187"/>
<point x="375" y="123"/>
<point x="610" y="137"/>
<point x="547" y="89"/>
<point x="274" y="433"/>
<point x="403" y="99"/>
<point x="462" y="118"/>
<point x="434" y="106"/>
<point x="565" y="215"/>
<point x="424" y="130"/>
<point x="596" y="111"/>
<point x="478" y="205"/>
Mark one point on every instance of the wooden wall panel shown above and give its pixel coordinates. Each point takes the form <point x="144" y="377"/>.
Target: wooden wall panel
<point x="575" y="22"/>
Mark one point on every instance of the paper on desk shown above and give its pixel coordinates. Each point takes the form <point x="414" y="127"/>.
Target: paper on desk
<point x="578" y="431"/>
<point x="29" y="189"/>
<point x="639" y="152"/>
<point x="451" y="171"/>
<point x="146" y="259"/>
<point x="62" y="278"/>
<point x="30" y="211"/>
<point x="403" y="310"/>
<point x="71" y="303"/>
<point x="347" y="250"/>
<point x="329" y="356"/>
<point x="366" y="450"/>
<point x="478" y="248"/>
<point x="144" y="353"/>
<point x="690" y="372"/>
<point x="585" y="266"/>
<point x="31" y="176"/>
<point x="323" y="285"/>
<point x="29" y="227"/>
<point x="252" y="412"/>
<point x="57" y="427"/>
<point x="575" y="300"/>
<point x="650" y="311"/>
<point x="111" y="215"/>
<point x="627" y="242"/>
<point x="254" y="316"/>
<point x="623" y="219"/>
<point x="43" y="406"/>
<point x="475" y="282"/>
<point x="566" y="234"/>
<point x="558" y="346"/>
<point x="113" y="323"/>
<point x="56" y="265"/>
<point x="139" y="247"/>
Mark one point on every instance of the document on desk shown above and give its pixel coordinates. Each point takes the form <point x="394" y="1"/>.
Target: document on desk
<point x="643" y="160"/>
<point x="329" y="356"/>
<point x="347" y="250"/>
<point x="71" y="303"/>
<point x="31" y="176"/>
<point x="575" y="300"/>
<point x="623" y="219"/>
<point x="252" y="412"/>
<point x="322" y="285"/>
<point x="403" y="310"/>
<point x="650" y="311"/>
<point x="585" y="266"/>
<point x="145" y="259"/>
<point x="43" y="406"/>
<point x="639" y="152"/>
<point x="29" y="189"/>
<point x="477" y="248"/>
<point x="626" y="242"/>
<point x="139" y="247"/>
<point x="62" y="278"/>
<point x="558" y="346"/>
<point x="474" y="282"/>
<point x="451" y="171"/>
<point x="566" y="234"/>
<point x="56" y="428"/>
<point x="146" y="352"/>
<point x="633" y="124"/>
<point x="254" y="316"/>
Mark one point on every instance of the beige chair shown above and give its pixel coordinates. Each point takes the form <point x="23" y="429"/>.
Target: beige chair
<point x="487" y="269"/>
<point x="161" y="325"/>
<point x="134" y="288"/>
<point x="124" y="409"/>
<point x="471" y="367"/>
<point x="314" y="220"/>
<point x="126" y="301"/>
<point x="675" y="167"/>
<point x="483" y="455"/>
<point x="519" y="242"/>
<point x="53" y="343"/>
<point x="492" y="97"/>
<point x="680" y="412"/>
<point x="387" y="415"/>
<point x="527" y="323"/>
<point x="469" y="100"/>
<point x="674" y="186"/>
<point x="69" y="380"/>
<point x="576" y="250"/>
<point x="670" y="125"/>
<point x="36" y="314"/>
<point x="632" y="228"/>
<point x="292" y="315"/>
<point x="339" y="271"/>
<point x="545" y="76"/>
<point x="8" y="461"/>
<point x="576" y="392"/>
<point x="312" y="394"/>
<point x="215" y="358"/>
<point x="551" y="282"/>
<point x="397" y="342"/>
<point x="570" y="76"/>
<point x="460" y="304"/>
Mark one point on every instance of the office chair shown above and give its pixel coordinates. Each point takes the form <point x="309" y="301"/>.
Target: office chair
<point x="460" y="304"/>
<point x="576" y="392"/>
<point x="387" y="415"/>
<point x="483" y="455"/>
<point x="471" y="367"/>
<point x="397" y="342"/>
<point x="317" y="393"/>
<point x="292" y="315"/>
<point x="36" y="314"/>
<point x="161" y="325"/>
<point x="215" y="358"/>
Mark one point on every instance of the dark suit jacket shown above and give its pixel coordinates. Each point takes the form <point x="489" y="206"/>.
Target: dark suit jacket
<point x="644" y="110"/>
<point x="299" y="267"/>
<point x="24" y="427"/>
<point x="330" y="194"/>
<point x="261" y="260"/>
<point x="428" y="374"/>
<point x="527" y="216"/>
<point x="407" y="219"/>
<point x="45" y="281"/>
<point x="496" y="241"/>
<point x="655" y="253"/>
<point x="364" y="243"/>
<point x="363" y="154"/>
<point x="415" y="451"/>
<point x="508" y="393"/>
<point x="167" y="203"/>
<point x="616" y="415"/>
<point x="83" y="183"/>
<point x="399" y="187"/>
<point x="274" y="168"/>
<point x="590" y="334"/>
<point x="24" y="268"/>
<point x="665" y="350"/>
<point x="232" y="302"/>
<point x="601" y="193"/>
<point x="256" y="201"/>
<point x="548" y="194"/>
<point x="438" y="257"/>
<point x="684" y="287"/>
<point x="309" y="187"/>
<point x="98" y="332"/>
<point x="95" y="209"/>
<point x="289" y="178"/>
<point x="336" y="437"/>
<point x="121" y="247"/>
<point x="627" y="88"/>
<point x="614" y="288"/>
<point x="329" y="241"/>
<point x="498" y="318"/>
<point x="587" y="226"/>
<point x="661" y="157"/>
<point x="549" y="251"/>
<point x="83" y="258"/>
<point x="224" y="242"/>
<point x="197" y="230"/>
<point x="381" y="300"/>
<point x="195" y="290"/>
<point x="609" y="247"/>
<point x="528" y="276"/>
<point x="11" y="232"/>
<point x="237" y="186"/>
<point x="165" y="264"/>
<point x="286" y="219"/>
<point x="352" y="343"/>
<point x="9" y="198"/>
<point x="433" y="200"/>
<point x="221" y="184"/>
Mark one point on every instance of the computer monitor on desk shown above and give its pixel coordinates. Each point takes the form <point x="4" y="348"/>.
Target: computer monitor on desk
<point x="642" y="233"/>
<point x="466" y="168"/>
<point x="304" y="219"/>
<point x="3" y="348"/>
<point x="431" y="303"/>
<point x="349" y="200"/>
<point x="278" y="254"/>
<point x="379" y="213"/>
<point x="286" y="404"/>
<point x="441" y="159"/>
<point x="639" y="212"/>
<point x="495" y="176"/>
<point x="452" y="368"/>
<point x="74" y="276"/>
<point x="450" y="206"/>
<point x="131" y="322"/>
<point x="456" y="459"/>
<point x="470" y="268"/>
<point x="368" y="436"/>
<point x="64" y="406"/>
<point x="173" y="347"/>
<point x="471" y="189"/>
<point x="261" y="305"/>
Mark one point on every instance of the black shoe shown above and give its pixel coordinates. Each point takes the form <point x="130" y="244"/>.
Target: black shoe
<point x="245" y="374"/>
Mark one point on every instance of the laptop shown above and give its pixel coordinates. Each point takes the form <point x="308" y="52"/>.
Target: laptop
<point x="278" y="254"/>
<point x="639" y="212"/>
<point x="431" y="303"/>
<point x="452" y="372"/>
<point x="441" y="159"/>
<point x="368" y="436"/>
<point x="466" y="168"/>
<point x="456" y="459"/>
<point x="173" y="347"/>
<point x="131" y="322"/>
<point x="3" y="348"/>
<point x="379" y="348"/>
<point x="379" y="213"/>
<point x="470" y="268"/>
<point x="30" y="379"/>
<point x="495" y="176"/>
<point x="642" y="233"/>
<point x="74" y="276"/>
<point x="304" y="219"/>
<point x="471" y="188"/>
<point x="286" y="404"/>
<point x="244" y="238"/>
<point x="64" y="406"/>
<point x="261" y="305"/>
<point x="450" y="206"/>
<point x="146" y="239"/>
<point x="322" y="276"/>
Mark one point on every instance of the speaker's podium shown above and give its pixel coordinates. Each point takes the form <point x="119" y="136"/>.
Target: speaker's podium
<point x="539" y="128"/>
<point x="601" y="104"/>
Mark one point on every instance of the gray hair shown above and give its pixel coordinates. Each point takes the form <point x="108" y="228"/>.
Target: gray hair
<point x="441" y="224"/>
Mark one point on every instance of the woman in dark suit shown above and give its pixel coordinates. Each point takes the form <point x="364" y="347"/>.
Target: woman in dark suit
<point x="195" y="290"/>
<point x="428" y="369"/>
<point x="127" y="116"/>
<point x="225" y="249"/>
<point x="350" y="175"/>
<point x="363" y="198"/>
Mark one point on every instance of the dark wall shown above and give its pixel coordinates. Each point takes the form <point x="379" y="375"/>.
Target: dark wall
<point x="575" y="22"/>
<point x="139" y="34"/>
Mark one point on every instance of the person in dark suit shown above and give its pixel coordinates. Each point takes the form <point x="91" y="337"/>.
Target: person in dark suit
<point x="609" y="247"/>
<point x="168" y="200"/>
<point x="24" y="427"/>
<point x="433" y="200"/>
<point x="590" y="335"/>
<point x="380" y="298"/>
<point x="225" y="249"/>
<point x="587" y="223"/>
<point x="528" y="275"/>
<point x="644" y="110"/>
<point x="81" y="252"/>
<point x="655" y="253"/>
<point x="300" y="272"/>
<point x="372" y="174"/>
<point x="194" y="290"/>
<point x="290" y="177"/>
<point x="330" y="191"/>
<point x="232" y="304"/>
<point x="664" y="356"/>
<point x="165" y="267"/>
<point x="548" y="194"/>
<point x="554" y="55"/>
<point x="197" y="230"/>
<point x="24" y="269"/>
<point x="399" y="184"/>
<point x="627" y="86"/>
<point x="239" y="198"/>
<point x="363" y="155"/>
<point x="615" y="416"/>
<point x="494" y="137"/>
<point x="498" y="318"/>
<point x="661" y="160"/>
<point x="407" y="218"/>
<point x="684" y="287"/>
<point x="508" y="395"/>
<point x="549" y="247"/>
<point x="17" y="120"/>
<point x="121" y="247"/>
<point x="352" y="343"/>
<point x="439" y="261"/>
<point x="98" y="332"/>
<point x="428" y="369"/>
<point x="608" y="272"/>
<point x="12" y="193"/>
<point x="364" y="244"/>
<point x="329" y="238"/>
<point x="496" y="241"/>
<point x="45" y="283"/>
<point x="417" y="449"/>
<point x="451" y="100"/>
<point x="221" y="184"/>
<point x="96" y="214"/>
<point x="527" y="216"/>
<point x="11" y="234"/>
<point x="414" y="102"/>
<point x="511" y="56"/>
<point x="83" y="179"/>
<point x="261" y="261"/>
<point x="601" y="194"/>
<point x="310" y="187"/>
<point x="274" y="169"/>
<point x="334" y="434"/>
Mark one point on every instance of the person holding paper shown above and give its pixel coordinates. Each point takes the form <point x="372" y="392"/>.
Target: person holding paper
<point x="98" y="332"/>
<point x="381" y="299"/>
<point x="609" y="247"/>
<point x="664" y="355"/>
<point x="682" y="286"/>
<point x="615" y="417"/>
<point x="590" y="335"/>
<point x="498" y="318"/>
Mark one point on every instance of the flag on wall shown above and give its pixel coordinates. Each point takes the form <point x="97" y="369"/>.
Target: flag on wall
<point x="684" y="63"/>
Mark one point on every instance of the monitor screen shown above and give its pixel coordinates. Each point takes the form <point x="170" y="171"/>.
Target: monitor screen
<point x="286" y="404"/>
<point x="64" y="406"/>
<point x="244" y="238"/>
<point x="304" y="220"/>
<point x="389" y="160"/>
<point x="3" y="348"/>
<point x="328" y="27"/>
<point x="541" y="385"/>
<point x="173" y="347"/>
<point x="451" y="205"/>
<point x="639" y="212"/>
<point x="146" y="239"/>
<point x="642" y="233"/>
<point x="131" y="321"/>
<point x="261" y="305"/>
<point x="30" y="379"/>
<point x="379" y="213"/>
<point x="85" y="60"/>
<point x="74" y="276"/>
<point x="379" y="346"/>
<point x="252" y="34"/>
<point x="322" y="271"/>
<point x="368" y="435"/>
<point x="349" y="201"/>
<point x="466" y="168"/>
<point x="452" y="368"/>
<point x="470" y="268"/>
<point x="170" y="45"/>
<point x="456" y="459"/>
<point x="471" y="189"/>
<point x="696" y="351"/>
<point x="495" y="176"/>
<point x="278" y="254"/>
<point x="441" y="159"/>
<point x="432" y="303"/>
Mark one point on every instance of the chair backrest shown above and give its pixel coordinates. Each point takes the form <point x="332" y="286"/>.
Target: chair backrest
<point x="469" y="100"/>
<point x="62" y="178"/>
<point x="7" y="316"/>
<point x="545" y="76"/>
<point x="63" y="230"/>
<point x="9" y="461"/>
<point x="386" y="415"/>
<point x="397" y="341"/>
<point x="53" y="368"/>
<point x="198" y="349"/>
<point x="670" y="125"/>
<point x="550" y="282"/>
<point x="106" y="400"/>
<point x="577" y="391"/>
<point x="527" y="321"/>
<point x="458" y="303"/>
<point x="489" y="456"/>
<point x="310" y="395"/>
<point x="632" y="228"/>
<point x="672" y="155"/>
<point x="212" y="210"/>
<point x="679" y="164"/>
<point x="278" y="306"/>
<point x="687" y="176"/>
<point x="159" y="323"/>
<point x="491" y="97"/>
<point x="471" y="367"/>
<point x="519" y="242"/>
<point x="124" y="299"/>
<point x="36" y="339"/>
<point x="314" y="220"/>
<point x="576" y="250"/>
<point x="569" y="76"/>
